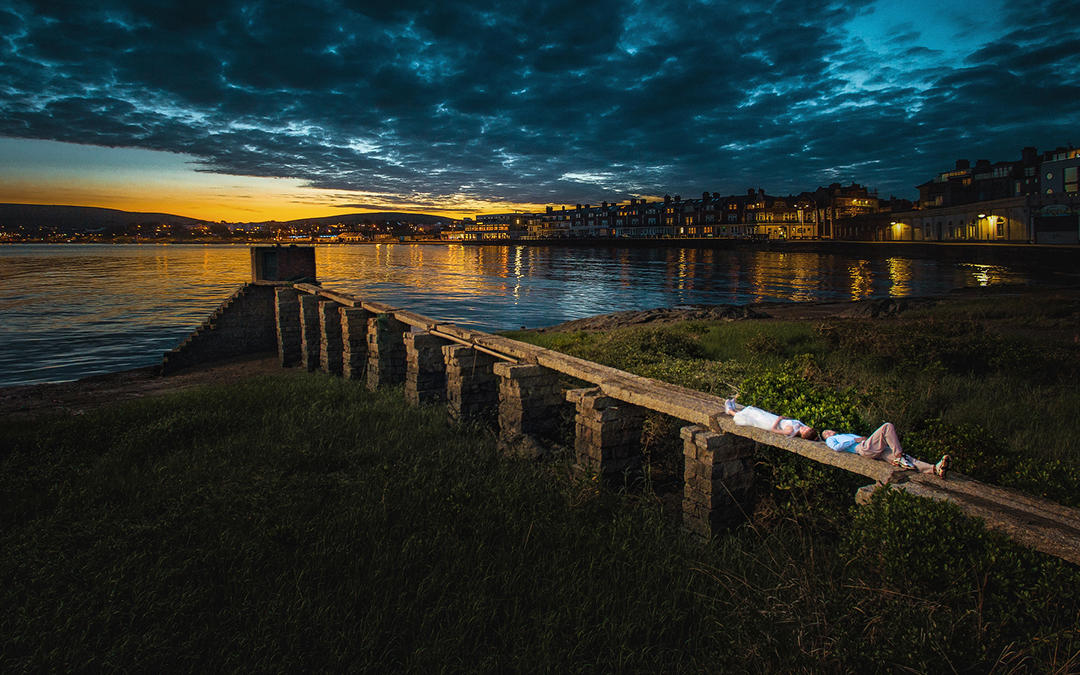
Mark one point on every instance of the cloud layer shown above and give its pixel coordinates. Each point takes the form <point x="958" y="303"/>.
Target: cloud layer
<point x="441" y="103"/>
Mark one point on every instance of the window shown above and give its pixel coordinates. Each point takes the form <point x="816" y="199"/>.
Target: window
<point x="1071" y="185"/>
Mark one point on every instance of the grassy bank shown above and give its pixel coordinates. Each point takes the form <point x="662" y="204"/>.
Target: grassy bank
<point x="990" y="380"/>
<point x="302" y="523"/>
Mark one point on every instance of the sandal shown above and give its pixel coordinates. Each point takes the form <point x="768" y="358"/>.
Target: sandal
<point x="942" y="466"/>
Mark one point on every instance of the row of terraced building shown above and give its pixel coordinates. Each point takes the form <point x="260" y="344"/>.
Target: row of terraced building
<point x="1033" y="199"/>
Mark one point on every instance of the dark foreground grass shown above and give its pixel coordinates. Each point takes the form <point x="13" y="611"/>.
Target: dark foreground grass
<point x="305" y="524"/>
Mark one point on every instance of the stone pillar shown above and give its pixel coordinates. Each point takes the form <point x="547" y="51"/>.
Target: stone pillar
<point x="287" y="322"/>
<point x="354" y="352"/>
<point x="607" y="433"/>
<point x="330" y="337"/>
<point x="530" y="402"/>
<point x="386" y="351"/>
<point x="471" y="391"/>
<point x="718" y="482"/>
<point x="309" y="331"/>
<point x="425" y="370"/>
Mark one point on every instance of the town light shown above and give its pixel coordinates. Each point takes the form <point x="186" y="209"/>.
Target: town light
<point x="982" y="215"/>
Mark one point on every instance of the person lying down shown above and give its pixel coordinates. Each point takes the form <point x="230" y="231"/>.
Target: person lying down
<point x="883" y="444"/>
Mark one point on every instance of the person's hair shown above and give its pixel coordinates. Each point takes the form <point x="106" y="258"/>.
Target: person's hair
<point x="808" y="433"/>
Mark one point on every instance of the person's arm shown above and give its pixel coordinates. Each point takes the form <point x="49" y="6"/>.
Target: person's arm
<point x="776" y="428"/>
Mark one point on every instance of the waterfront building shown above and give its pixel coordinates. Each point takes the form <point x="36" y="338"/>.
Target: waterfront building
<point x="500" y="227"/>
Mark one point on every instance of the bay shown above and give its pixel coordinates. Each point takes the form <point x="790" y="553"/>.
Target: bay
<point x="70" y="311"/>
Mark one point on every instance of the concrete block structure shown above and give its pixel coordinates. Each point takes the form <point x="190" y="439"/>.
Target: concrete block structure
<point x="310" y="339"/>
<point x="607" y="434"/>
<point x="287" y="325"/>
<point x="283" y="263"/>
<point x="243" y="324"/>
<point x="471" y="390"/>
<point x="330" y="349"/>
<point x="718" y="479"/>
<point x="425" y="369"/>
<point x="354" y="351"/>
<point x="530" y="401"/>
<point x="386" y="351"/>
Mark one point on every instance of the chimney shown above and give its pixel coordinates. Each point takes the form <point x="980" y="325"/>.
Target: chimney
<point x="549" y="209"/>
<point x="962" y="165"/>
<point x="605" y="205"/>
<point x="982" y="165"/>
<point x="578" y="208"/>
<point x="678" y="198"/>
<point x="1029" y="155"/>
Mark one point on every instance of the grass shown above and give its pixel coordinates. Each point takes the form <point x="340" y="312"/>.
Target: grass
<point x="990" y="380"/>
<point x="302" y="523"/>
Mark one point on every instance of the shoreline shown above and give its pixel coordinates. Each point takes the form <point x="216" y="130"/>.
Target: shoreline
<point x="75" y="396"/>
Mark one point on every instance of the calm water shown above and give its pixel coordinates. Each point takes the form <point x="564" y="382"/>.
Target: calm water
<point x="69" y="311"/>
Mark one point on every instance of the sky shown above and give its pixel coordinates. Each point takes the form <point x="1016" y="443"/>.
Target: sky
<point x="243" y="111"/>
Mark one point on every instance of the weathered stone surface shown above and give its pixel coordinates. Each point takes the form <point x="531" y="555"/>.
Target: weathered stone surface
<point x="386" y="351"/>
<point x="530" y="400"/>
<point x="287" y="324"/>
<point x="330" y="347"/>
<point x="425" y="369"/>
<point x="607" y="439"/>
<point x="354" y="354"/>
<point x="718" y="479"/>
<point x="243" y="324"/>
<point x="310" y="338"/>
<point x="471" y="388"/>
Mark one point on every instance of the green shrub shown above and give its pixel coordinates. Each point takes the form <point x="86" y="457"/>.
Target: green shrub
<point x="914" y="546"/>
<point x="787" y="392"/>
<point x="982" y="455"/>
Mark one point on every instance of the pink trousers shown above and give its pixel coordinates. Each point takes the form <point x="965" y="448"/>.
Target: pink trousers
<point x="884" y="444"/>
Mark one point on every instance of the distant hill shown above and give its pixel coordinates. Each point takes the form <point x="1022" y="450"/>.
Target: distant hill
<point x="378" y="217"/>
<point x="78" y="217"/>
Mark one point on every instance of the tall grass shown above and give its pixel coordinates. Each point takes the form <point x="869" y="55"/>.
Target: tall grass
<point x="302" y="523"/>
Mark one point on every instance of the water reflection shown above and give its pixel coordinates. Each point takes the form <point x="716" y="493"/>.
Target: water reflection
<point x="70" y="311"/>
<point x="899" y="276"/>
<point x="862" y="282"/>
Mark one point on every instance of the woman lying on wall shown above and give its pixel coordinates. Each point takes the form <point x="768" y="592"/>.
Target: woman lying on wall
<point x="749" y="416"/>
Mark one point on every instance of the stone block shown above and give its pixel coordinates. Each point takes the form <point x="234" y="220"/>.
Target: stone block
<point x="717" y="481"/>
<point x="310" y="337"/>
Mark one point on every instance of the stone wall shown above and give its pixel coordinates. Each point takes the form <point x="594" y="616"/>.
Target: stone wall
<point x="243" y="324"/>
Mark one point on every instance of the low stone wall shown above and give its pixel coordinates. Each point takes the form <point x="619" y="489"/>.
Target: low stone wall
<point x="519" y="387"/>
<point x="243" y="324"/>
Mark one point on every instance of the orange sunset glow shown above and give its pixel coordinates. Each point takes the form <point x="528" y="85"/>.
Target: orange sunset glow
<point x="49" y="172"/>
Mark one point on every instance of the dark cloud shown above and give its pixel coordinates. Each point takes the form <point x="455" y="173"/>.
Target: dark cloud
<point x="423" y="102"/>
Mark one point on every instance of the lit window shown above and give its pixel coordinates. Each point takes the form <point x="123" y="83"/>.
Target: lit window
<point x="1071" y="183"/>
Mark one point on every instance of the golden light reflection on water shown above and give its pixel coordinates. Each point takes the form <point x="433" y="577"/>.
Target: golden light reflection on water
<point x="899" y="276"/>
<point x="805" y="276"/>
<point x="988" y="275"/>
<point x="75" y="310"/>
<point x="862" y="280"/>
